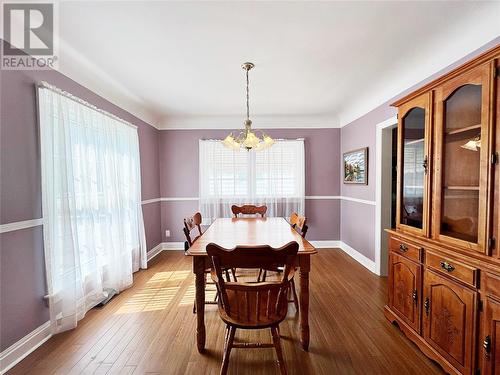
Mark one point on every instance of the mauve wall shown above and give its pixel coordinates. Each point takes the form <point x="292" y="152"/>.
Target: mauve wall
<point x="179" y="177"/>
<point x="357" y="220"/>
<point x="357" y="228"/>
<point x="22" y="272"/>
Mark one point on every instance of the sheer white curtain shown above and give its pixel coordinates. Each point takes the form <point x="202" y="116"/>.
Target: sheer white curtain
<point x="223" y="179"/>
<point x="280" y="178"/>
<point x="274" y="177"/>
<point x="91" y="196"/>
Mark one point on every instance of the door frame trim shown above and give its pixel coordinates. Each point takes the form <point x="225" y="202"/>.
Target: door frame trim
<point x="380" y="269"/>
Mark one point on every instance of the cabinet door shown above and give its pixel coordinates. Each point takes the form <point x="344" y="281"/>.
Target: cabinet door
<point x="490" y="345"/>
<point x="462" y="160"/>
<point x="405" y="289"/>
<point x="414" y="130"/>
<point x="449" y="319"/>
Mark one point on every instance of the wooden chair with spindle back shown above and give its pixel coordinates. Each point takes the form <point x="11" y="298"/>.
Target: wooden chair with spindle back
<point x="249" y="209"/>
<point x="190" y="224"/>
<point x="252" y="305"/>
<point x="298" y="222"/>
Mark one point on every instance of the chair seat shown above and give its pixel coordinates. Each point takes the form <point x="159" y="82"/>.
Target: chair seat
<point x="270" y="321"/>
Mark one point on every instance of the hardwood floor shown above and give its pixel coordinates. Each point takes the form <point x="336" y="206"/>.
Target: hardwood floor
<point x="150" y="329"/>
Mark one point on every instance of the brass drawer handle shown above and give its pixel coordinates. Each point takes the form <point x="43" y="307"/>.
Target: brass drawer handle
<point x="403" y="248"/>
<point x="447" y="266"/>
<point x="427" y="305"/>
<point x="414" y="296"/>
<point x="487" y="345"/>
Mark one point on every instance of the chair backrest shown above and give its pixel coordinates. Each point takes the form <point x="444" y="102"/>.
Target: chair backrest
<point x="252" y="303"/>
<point x="298" y="222"/>
<point x="248" y="209"/>
<point x="190" y="223"/>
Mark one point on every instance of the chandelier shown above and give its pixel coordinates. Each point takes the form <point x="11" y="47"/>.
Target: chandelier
<point x="247" y="138"/>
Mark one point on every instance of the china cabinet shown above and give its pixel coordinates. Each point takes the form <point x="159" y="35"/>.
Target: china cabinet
<point x="444" y="258"/>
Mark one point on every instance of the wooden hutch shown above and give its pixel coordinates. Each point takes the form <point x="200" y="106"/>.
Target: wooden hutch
<point x="444" y="254"/>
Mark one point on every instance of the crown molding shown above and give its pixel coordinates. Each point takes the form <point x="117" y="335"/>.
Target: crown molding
<point x="258" y="122"/>
<point x="446" y="57"/>
<point x="85" y="72"/>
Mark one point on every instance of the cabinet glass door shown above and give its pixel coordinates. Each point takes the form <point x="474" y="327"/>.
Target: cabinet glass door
<point x="463" y="149"/>
<point x="413" y="165"/>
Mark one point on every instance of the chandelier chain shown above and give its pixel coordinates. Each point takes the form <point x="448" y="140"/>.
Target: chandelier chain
<point x="248" y="100"/>
<point x="247" y="138"/>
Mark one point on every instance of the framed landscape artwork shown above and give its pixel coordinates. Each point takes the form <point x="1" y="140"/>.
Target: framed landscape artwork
<point x="356" y="166"/>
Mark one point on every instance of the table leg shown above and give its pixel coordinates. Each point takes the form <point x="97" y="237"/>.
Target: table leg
<point x="199" y="271"/>
<point x="304" y="301"/>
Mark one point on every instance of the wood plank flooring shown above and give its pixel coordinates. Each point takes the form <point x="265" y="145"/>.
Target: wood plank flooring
<point x="150" y="329"/>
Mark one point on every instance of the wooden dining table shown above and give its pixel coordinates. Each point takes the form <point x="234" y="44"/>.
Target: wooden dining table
<point x="231" y="232"/>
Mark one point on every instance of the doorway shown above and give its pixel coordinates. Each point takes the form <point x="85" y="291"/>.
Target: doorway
<point x="385" y="194"/>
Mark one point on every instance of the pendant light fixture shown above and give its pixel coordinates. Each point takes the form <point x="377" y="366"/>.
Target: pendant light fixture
<point x="248" y="139"/>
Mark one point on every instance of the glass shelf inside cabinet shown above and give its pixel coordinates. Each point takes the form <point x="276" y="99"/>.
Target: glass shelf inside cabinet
<point x="412" y="192"/>
<point x="461" y="164"/>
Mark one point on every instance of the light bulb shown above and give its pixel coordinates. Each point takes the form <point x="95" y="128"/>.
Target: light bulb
<point x="228" y="141"/>
<point x="260" y="146"/>
<point x="251" y="140"/>
<point x="268" y="141"/>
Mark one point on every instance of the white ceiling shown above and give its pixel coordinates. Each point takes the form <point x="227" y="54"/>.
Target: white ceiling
<point x="318" y="64"/>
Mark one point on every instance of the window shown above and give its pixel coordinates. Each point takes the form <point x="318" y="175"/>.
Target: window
<point x="91" y="198"/>
<point x="413" y="168"/>
<point x="274" y="177"/>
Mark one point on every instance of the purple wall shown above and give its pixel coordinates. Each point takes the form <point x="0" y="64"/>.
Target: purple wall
<point x="179" y="177"/>
<point x="22" y="280"/>
<point x="361" y="133"/>
<point x="21" y="265"/>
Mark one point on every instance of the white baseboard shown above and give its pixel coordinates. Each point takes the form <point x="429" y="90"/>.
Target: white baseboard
<point x="154" y="251"/>
<point x="335" y="244"/>
<point x="173" y="246"/>
<point x="353" y="253"/>
<point x="331" y="244"/>
<point x="358" y="257"/>
<point x="163" y="246"/>
<point x="22" y="348"/>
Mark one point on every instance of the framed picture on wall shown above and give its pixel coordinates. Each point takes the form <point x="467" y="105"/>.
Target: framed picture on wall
<point x="356" y="166"/>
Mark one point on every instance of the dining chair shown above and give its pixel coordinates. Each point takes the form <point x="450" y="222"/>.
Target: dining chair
<point x="252" y="305"/>
<point x="248" y="209"/>
<point x="190" y="224"/>
<point x="298" y="222"/>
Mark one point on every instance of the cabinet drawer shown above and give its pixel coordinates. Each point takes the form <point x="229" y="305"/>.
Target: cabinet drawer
<point x="492" y="285"/>
<point x="460" y="271"/>
<point x="406" y="249"/>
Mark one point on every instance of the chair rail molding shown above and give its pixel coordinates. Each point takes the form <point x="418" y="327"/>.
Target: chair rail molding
<point x="18" y="225"/>
<point x="307" y="197"/>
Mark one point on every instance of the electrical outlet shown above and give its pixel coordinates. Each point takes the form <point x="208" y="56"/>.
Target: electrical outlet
<point x="167" y="233"/>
